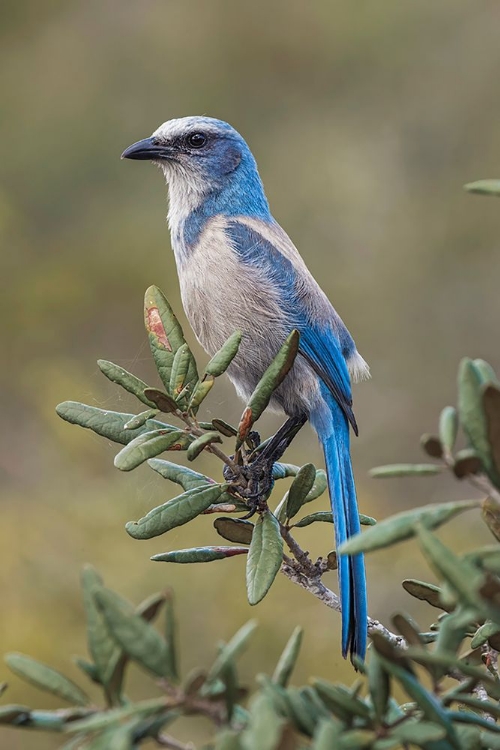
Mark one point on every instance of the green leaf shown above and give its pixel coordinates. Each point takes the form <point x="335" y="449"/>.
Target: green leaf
<point x="483" y="633"/>
<point x="483" y="187"/>
<point x="15" y="714"/>
<point x="282" y="471"/>
<point x="108" y="719"/>
<point x="300" y="488"/>
<point x="405" y="470"/>
<point x="187" y="478"/>
<point x="472" y="416"/>
<point x="165" y="335"/>
<point x="288" y="658"/>
<point x="199" y="554"/>
<point x="175" y="512"/>
<point x="140" y="641"/>
<point x="200" y="392"/>
<point x="223" y="427"/>
<point x="232" y="650"/>
<point x="129" y="382"/>
<point x="103" y="649"/>
<point x="408" y="628"/>
<point x="234" y="529"/>
<point x="490" y="512"/>
<point x="340" y="700"/>
<point x="46" y="678"/>
<point x="264" y="557"/>
<point x="403" y="526"/>
<point x="118" y="738"/>
<point x="181" y="365"/>
<point x="426" y="701"/>
<point x="223" y="358"/>
<point x="170" y="636"/>
<point x="202" y="442"/>
<point x="326" y="516"/>
<point x="163" y="401"/>
<point x="448" y="428"/>
<point x="379" y="686"/>
<point x="89" y="669"/>
<point x="108" y="424"/>
<point x="140" y="419"/>
<point x="264" y="728"/>
<point x="271" y="379"/>
<point x="463" y="578"/>
<point x="149" y="445"/>
<point x="418" y="732"/>
<point x="327" y="735"/>
<point x="426" y="592"/>
<point x="228" y="739"/>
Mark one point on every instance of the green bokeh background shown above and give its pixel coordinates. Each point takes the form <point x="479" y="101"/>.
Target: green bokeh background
<point x="366" y="119"/>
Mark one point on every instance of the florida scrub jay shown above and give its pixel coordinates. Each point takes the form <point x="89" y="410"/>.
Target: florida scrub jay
<point x="238" y="269"/>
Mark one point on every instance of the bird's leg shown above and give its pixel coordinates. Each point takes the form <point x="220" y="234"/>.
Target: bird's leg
<point x="259" y="471"/>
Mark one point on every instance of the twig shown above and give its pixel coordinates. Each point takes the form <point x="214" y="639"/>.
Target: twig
<point x="317" y="588"/>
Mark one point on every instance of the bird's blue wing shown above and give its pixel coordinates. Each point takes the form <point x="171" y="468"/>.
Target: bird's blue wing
<point x="318" y="345"/>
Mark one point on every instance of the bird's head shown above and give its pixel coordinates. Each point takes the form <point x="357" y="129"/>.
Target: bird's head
<point x="200" y="151"/>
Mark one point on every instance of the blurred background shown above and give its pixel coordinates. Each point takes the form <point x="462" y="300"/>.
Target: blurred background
<point x="366" y="119"/>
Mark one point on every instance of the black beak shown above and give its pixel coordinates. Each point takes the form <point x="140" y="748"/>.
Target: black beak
<point x="145" y="149"/>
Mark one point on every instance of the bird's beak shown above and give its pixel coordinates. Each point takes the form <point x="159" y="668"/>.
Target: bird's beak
<point x="146" y="149"/>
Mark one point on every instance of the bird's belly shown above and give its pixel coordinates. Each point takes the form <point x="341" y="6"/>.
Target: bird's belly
<point x="223" y="297"/>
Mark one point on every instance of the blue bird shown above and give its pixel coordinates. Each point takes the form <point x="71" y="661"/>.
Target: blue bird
<point x="238" y="269"/>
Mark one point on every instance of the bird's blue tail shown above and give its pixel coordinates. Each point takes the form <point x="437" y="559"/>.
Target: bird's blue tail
<point x="333" y="431"/>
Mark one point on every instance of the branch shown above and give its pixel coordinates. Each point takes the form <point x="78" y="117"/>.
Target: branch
<point x="330" y="599"/>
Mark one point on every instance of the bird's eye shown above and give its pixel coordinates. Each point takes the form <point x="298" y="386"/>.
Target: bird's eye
<point x="196" y="140"/>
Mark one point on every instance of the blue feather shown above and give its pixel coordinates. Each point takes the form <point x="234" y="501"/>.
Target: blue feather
<point x="332" y="427"/>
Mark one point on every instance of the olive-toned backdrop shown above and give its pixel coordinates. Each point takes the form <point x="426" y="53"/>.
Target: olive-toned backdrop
<point x="366" y="119"/>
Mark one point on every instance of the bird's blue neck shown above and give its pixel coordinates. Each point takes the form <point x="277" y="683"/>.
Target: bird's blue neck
<point x="242" y="194"/>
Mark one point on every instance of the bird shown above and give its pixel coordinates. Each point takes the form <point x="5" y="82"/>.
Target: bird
<point x="239" y="270"/>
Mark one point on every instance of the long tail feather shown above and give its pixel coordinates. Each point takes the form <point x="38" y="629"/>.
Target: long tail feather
<point x="333" y="432"/>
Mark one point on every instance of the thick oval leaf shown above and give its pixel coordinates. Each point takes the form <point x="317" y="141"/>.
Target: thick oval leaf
<point x="490" y="512"/>
<point x="319" y="486"/>
<point x="483" y="633"/>
<point x="405" y="470"/>
<point x="15" y="714"/>
<point x="264" y="557"/>
<point x="288" y="658"/>
<point x="102" y="647"/>
<point x="140" y="419"/>
<point x="341" y="701"/>
<point x="199" y="554"/>
<point x="202" y="442"/>
<point x="491" y="405"/>
<point x="108" y="424"/>
<point x="271" y="379"/>
<point x="483" y="187"/>
<point x="232" y="650"/>
<point x="463" y="577"/>
<point x="326" y="516"/>
<point x="448" y="428"/>
<point x="418" y="732"/>
<point x="472" y="416"/>
<point x="234" y="529"/>
<point x="223" y="427"/>
<point x="403" y="526"/>
<point x="264" y="728"/>
<point x="379" y="685"/>
<point x="165" y="335"/>
<point x="282" y="471"/>
<point x="187" y="478"/>
<point x="175" y="512"/>
<point x="426" y="592"/>
<point x="163" y="401"/>
<point x="200" y="392"/>
<point x="140" y="641"/>
<point x="129" y="382"/>
<point x="223" y="358"/>
<point x="300" y="488"/>
<point x="327" y="735"/>
<point x="432" y="445"/>
<point x="467" y="462"/>
<point x="149" y="445"/>
<point x="179" y="372"/>
<point x="46" y="678"/>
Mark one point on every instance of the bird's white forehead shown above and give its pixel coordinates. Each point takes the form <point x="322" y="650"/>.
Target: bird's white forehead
<point x="183" y="125"/>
